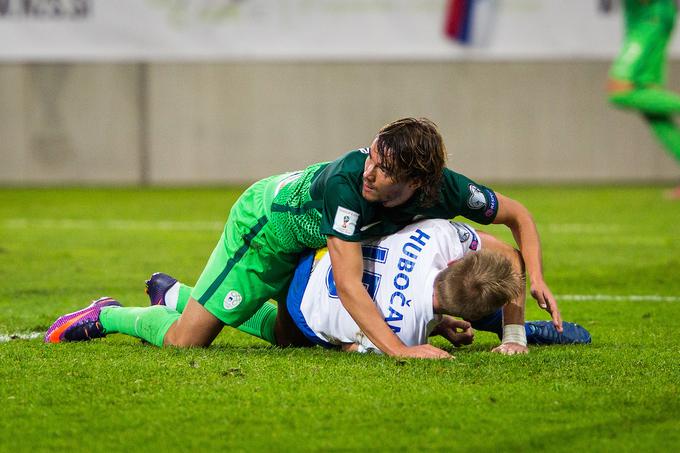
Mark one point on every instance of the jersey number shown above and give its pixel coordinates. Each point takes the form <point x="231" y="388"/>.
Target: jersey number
<point x="371" y="280"/>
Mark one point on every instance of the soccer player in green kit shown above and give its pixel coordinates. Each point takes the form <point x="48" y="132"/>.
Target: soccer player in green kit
<point x="367" y="193"/>
<point x="637" y="76"/>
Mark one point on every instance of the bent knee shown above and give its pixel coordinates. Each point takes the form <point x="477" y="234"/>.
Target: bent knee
<point x="180" y="337"/>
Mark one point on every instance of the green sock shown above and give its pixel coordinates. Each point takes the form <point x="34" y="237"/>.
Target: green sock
<point x="261" y="324"/>
<point x="184" y="295"/>
<point x="655" y="101"/>
<point x="148" y="323"/>
<point x="667" y="133"/>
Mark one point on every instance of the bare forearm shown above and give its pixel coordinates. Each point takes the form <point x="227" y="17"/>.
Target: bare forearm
<point x="526" y="235"/>
<point x="347" y="264"/>
<point x="359" y="305"/>
<point x="520" y="222"/>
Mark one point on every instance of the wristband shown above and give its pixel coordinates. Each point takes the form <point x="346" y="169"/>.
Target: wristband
<point x="514" y="333"/>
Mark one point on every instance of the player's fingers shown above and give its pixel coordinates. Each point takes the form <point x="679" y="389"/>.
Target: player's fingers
<point x="439" y="355"/>
<point x="550" y="303"/>
<point x="555" y="312"/>
<point x="557" y="320"/>
<point x="465" y="325"/>
<point x="436" y="353"/>
<point x="538" y="295"/>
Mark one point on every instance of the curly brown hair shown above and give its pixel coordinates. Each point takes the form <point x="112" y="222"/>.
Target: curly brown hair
<point x="412" y="149"/>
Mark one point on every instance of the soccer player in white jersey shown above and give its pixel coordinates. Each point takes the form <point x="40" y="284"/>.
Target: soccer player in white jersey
<point x="416" y="278"/>
<point x="419" y="278"/>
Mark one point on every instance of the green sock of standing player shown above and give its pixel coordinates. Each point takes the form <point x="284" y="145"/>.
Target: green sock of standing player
<point x="666" y="132"/>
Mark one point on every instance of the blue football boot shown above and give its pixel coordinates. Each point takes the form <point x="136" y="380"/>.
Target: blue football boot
<point x="544" y="333"/>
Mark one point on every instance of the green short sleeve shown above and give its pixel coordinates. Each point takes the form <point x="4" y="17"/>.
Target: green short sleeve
<point x="342" y="209"/>
<point x="468" y="198"/>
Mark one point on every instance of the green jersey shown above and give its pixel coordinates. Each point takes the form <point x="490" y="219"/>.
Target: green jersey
<point x="325" y="200"/>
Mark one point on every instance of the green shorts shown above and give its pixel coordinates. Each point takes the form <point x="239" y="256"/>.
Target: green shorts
<point x="642" y="59"/>
<point x="247" y="266"/>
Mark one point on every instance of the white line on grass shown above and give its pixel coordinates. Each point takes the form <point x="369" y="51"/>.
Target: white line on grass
<point x="20" y="336"/>
<point x="617" y="298"/>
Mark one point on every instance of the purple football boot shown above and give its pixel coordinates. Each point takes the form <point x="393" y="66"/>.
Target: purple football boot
<point x="81" y="325"/>
<point x="156" y="287"/>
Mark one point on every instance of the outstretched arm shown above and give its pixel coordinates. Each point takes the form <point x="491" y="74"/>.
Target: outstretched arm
<point x="516" y="217"/>
<point x="513" y="311"/>
<point x="347" y="263"/>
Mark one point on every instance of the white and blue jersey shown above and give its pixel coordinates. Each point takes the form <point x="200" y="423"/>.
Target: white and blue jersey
<point x="399" y="273"/>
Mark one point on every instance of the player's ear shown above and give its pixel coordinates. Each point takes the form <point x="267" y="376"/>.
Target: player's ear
<point x="414" y="185"/>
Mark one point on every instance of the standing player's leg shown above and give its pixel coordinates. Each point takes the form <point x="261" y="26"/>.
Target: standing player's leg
<point x="666" y="132"/>
<point x="638" y="73"/>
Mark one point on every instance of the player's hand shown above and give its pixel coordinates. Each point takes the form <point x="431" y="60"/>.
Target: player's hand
<point x="546" y="300"/>
<point x="423" y="351"/>
<point x="457" y="331"/>
<point x="511" y="349"/>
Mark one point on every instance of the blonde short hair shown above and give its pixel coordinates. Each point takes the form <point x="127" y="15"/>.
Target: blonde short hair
<point x="477" y="285"/>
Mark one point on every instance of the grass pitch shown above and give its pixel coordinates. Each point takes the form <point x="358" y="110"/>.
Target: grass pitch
<point x="612" y="256"/>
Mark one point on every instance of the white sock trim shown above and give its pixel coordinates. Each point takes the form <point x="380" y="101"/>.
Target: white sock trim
<point x="172" y="296"/>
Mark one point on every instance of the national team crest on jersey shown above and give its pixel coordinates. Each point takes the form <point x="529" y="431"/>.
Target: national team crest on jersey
<point x="476" y="200"/>
<point x="232" y="300"/>
<point x="345" y="221"/>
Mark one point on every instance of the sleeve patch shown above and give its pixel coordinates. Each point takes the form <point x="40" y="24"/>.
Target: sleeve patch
<point x="493" y="204"/>
<point x="345" y="221"/>
<point x="476" y="199"/>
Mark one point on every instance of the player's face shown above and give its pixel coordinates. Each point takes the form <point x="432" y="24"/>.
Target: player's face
<point x="379" y="187"/>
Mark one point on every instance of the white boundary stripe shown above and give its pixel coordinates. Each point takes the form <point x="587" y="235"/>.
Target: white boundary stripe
<point x="68" y="224"/>
<point x="4" y="338"/>
<point x="615" y="298"/>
